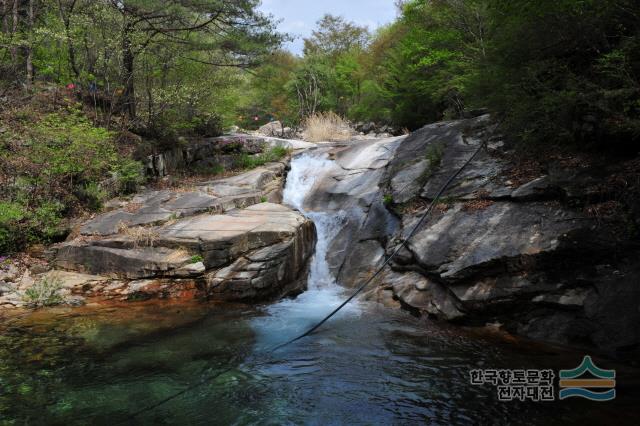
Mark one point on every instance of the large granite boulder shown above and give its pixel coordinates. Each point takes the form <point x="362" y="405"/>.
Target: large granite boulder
<point x="503" y="246"/>
<point x="507" y="250"/>
<point x="269" y="244"/>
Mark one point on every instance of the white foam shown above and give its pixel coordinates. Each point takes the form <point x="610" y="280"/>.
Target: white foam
<point x="290" y="317"/>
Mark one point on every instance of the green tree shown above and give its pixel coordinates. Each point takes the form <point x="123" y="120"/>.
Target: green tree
<point x="334" y="35"/>
<point x="564" y="72"/>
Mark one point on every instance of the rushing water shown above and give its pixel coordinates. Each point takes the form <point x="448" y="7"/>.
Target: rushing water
<point x="369" y="365"/>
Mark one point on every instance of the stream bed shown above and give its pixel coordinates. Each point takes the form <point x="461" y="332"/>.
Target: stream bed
<point x="110" y="364"/>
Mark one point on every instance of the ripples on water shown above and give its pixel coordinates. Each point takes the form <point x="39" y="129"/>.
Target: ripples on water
<point x="369" y="365"/>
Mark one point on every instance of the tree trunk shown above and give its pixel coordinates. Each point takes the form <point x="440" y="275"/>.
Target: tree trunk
<point x="129" y="100"/>
<point x="66" y="20"/>
<point x="5" y="12"/>
<point x="14" y="31"/>
<point x="29" y="47"/>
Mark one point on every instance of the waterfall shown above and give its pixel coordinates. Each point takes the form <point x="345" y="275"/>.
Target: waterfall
<point x="291" y="316"/>
<point x="306" y="169"/>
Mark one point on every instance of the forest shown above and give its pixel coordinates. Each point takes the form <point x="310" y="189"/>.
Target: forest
<point x="206" y="220"/>
<point x="87" y="88"/>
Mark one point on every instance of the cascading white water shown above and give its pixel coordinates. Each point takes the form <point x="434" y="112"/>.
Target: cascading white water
<point x="305" y="170"/>
<point x="292" y="316"/>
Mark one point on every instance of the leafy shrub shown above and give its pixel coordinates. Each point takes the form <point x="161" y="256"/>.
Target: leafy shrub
<point x="276" y="153"/>
<point x="93" y="195"/>
<point x="217" y="169"/>
<point x="130" y="175"/>
<point x="45" y="292"/>
<point x="434" y="155"/>
<point x="44" y="221"/>
<point x="161" y="131"/>
<point x="196" y="259"/>
<point x="207" y="125"/>
<point x="61" y="166"/>
<point x="20" y="226"/>
<point x="10" y="215"/>
<point x="69" y="145"/>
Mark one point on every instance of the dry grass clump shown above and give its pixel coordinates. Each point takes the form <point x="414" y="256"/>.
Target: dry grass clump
<point x="326" y="126"/>
<point x="133" y="207"/>
<point x="140" y="235"/>
<point x="476" y="205"/>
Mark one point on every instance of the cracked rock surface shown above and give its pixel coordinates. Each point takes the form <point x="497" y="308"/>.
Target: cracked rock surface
<point x="219" y="240"/>
<point x="496" y="250"/>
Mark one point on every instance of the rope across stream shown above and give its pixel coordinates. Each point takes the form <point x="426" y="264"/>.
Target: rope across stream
<point x="319" y="324"/>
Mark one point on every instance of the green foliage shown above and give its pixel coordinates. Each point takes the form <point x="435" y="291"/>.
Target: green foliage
<point x="387" y="200"/>
<point x="63" y="165"/>
<point x="69" y="145"/>
<point x="45" y="220"/>
<point x="552" y="72"/>
<point x="93" y="195"/>
<point x="564" y="72"/>
<point x="217" y="169"/>
<point x="10" y="212"/>
<point x="45" y="292"/>
<point x="247" y="161"/>
<point x="267" y="94"/>
<point x="334" y="35"/>
<point x="263" y="199"/>
<point x="157" y="62"/>
<point x="10" y="216"/>
<point x="20" y="225"/>
<point x="208" y="125"/>
<point x="434" y="155"/>
<point x="196" y="259"/>
<point x="276" y="153"/>
<point x="129" y="175"/>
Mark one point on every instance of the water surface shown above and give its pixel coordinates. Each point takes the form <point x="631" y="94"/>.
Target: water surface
<point x="103" y="365"/>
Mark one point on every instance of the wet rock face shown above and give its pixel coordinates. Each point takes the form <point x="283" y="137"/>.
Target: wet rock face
<point x="350" y="189"/>
<point x="495" y="250"/>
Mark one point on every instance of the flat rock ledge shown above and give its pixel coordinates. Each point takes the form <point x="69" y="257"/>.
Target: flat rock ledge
<point x="252" y="254"/>
<point x="216" y="196"/>
<point x="224" y="239"/>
